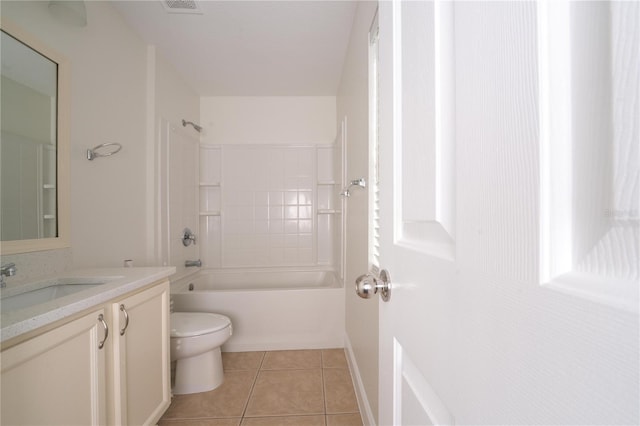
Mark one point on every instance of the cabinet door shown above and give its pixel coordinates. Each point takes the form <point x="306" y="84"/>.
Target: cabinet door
<point x="57" y="378"/>
<point x="142" y="375"/>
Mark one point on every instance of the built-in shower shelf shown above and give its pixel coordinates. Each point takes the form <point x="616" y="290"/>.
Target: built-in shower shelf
<point x="213" y="184"/>
<point x="49" y="216"/>
<point x="210" y="213"/>
<point x="49" y="186"/>
<point x="329" y="211"/>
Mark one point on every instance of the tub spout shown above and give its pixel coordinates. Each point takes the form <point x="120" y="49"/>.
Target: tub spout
<point x="189" y="263"/>
<point x="7" y="270"/>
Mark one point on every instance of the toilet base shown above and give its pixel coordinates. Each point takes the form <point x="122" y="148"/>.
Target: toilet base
<point x="200" y="373"/>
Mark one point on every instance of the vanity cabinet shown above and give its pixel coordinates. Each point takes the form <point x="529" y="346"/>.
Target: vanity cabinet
<point x="141" y="373"/>
<point x="69" y="376"/>
<point x="58" y="377"/>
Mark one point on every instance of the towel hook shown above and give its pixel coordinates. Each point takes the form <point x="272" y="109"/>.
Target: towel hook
<point x="95" y="152"/>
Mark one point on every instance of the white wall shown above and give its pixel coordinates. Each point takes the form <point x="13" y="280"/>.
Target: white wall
<point x="175" y="99"/>
<point x="268" y="120"/>
<point x="108" y="70"/>
<point x="110" y="92"/>
<point x="361" y="315"/>
<point x="172" y="165"/>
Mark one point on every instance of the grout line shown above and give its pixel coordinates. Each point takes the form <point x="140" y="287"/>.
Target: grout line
<point x="324" y="395"/>
<point x="325" y="414"/>
<point x="264" y="355"/>
<point x="253" y="385"/>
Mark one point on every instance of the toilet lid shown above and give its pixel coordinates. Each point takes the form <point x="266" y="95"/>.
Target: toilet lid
<point x="189" y="324"/>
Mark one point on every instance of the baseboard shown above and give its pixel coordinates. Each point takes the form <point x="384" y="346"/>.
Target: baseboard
<point x="281" y="346"/>
<point x="363" y="402"/>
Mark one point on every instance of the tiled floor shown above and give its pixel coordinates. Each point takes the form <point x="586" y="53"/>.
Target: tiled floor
<point x="296" y="388"/>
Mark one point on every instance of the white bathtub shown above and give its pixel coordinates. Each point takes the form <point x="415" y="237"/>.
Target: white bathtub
<point x="269" y="309"/>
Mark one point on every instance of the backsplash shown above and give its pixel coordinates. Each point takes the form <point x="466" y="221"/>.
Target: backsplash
<point x="38" y="264"/>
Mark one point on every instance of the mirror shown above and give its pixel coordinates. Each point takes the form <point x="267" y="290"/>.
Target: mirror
<point x="34" y="141"/>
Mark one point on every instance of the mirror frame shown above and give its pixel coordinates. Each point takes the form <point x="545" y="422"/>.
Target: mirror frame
<point x="63" y="239"/>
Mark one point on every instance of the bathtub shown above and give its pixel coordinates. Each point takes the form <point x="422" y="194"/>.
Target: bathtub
<point x="269" y="309"/>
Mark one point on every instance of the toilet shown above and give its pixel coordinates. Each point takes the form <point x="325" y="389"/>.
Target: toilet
<point x="196" y="338"/>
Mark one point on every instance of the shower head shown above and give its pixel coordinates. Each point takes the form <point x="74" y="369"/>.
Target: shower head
<point x="356" y="182"/>
<point x="191" y="123"/>
<point x="359" y="182"/>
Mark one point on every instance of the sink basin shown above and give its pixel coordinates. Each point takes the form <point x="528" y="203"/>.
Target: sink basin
<point x="44" y="294"/>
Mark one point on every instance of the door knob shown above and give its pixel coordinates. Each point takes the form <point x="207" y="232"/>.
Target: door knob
<point x="368" y="284"/>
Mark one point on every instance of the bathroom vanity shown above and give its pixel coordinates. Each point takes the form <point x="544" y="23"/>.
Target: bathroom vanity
<point x="95" y="356"/>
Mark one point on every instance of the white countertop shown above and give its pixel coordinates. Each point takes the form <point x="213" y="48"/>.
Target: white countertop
<point x="119" y="281"/>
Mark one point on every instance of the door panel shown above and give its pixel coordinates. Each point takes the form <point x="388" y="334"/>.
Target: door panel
<point x="417" y="209"/>
<point x="473" y="213"/>
<point x="57" y="378"/>
<point x="425" y="171"/>
<point x="141" y="346"/>
<point x="419" y="404"/>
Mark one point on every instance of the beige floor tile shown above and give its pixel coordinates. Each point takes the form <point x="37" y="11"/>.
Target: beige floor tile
<point x="338" y="387"/>
<point x="241" y="360"/>
<point x="344" y="420"/>
<point x="201" y="422"/>
<point x="278" y="360"/>
<point x="334" y="358"/>
<point x="229" y="400"/>
<point x="284" y="421"/>
<point x="286" y="392"/>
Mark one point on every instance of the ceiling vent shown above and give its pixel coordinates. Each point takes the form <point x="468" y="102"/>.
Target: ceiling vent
<point x="181" y="6"/>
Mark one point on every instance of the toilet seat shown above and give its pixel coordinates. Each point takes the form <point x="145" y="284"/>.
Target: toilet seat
<point x="191" y="324"/>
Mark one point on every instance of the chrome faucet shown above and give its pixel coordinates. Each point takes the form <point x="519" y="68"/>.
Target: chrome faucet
<point x="360" y="182"/>
<point x="7" y="270"/>
<point x="188" y="263"/>
<point x="188" y="237"/>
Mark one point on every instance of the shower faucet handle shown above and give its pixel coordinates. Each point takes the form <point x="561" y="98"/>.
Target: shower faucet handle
<point x="188" y="237"/>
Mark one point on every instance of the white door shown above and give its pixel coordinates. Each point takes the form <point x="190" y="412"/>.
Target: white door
<point x="509" y="136"/>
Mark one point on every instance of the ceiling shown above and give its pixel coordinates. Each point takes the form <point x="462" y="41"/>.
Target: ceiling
<point x="250" y="48"/>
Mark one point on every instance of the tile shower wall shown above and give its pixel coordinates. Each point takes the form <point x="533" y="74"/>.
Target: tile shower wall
<point x="210" y="205"/>
<point x="267" y="205"/>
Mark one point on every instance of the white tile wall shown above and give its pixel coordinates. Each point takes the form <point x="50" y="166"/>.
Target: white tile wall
<point x="267" y="206"/>
<point x="210" y="171"/>
<point x="328" y="211"/>
<point x="324" y="239"/>
<point x="325" y="164"/>
<point x="272" y="202"/>
<point x="209" y="199"/>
